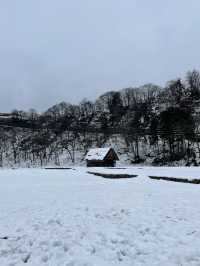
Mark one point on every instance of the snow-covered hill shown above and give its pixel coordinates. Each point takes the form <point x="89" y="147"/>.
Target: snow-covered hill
<point x="71" y="218"/>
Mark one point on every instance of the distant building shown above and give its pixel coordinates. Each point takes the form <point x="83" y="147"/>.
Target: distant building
<point x="101" y="157"/>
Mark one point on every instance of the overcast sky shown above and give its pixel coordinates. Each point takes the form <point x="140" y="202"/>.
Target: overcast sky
<point x="61" y="50"/>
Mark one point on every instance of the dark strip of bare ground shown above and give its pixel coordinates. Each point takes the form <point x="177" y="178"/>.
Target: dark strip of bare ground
<point x="58" y="168"/>
<point x="176" y="179"/>
<point x="116" y="168"/>
<point x="112" y="176"/>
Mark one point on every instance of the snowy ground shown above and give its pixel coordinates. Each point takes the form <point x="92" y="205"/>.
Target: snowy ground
<point x="71" y="218"/>
<point x="179" y="172"/>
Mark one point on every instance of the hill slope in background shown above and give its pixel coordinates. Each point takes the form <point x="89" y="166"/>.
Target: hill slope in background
<point x="149" y="125"/>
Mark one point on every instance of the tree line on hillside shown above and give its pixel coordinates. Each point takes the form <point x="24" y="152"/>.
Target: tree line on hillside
<point x="147" y="124"/>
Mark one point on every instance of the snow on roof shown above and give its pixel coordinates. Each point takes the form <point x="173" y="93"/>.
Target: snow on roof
<point x="97" y="154"/>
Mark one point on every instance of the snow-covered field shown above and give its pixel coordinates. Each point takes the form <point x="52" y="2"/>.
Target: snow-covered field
<point x="71" y="218"/>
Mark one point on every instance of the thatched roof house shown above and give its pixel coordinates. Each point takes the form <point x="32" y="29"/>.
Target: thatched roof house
<point x="101" y="157"/>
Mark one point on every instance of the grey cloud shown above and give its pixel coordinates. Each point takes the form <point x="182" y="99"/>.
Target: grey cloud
<point x="62" y="50"/>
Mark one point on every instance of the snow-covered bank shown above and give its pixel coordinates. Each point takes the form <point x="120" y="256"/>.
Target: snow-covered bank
<point x="179" y="172"/>
<point x="71" y="218"/>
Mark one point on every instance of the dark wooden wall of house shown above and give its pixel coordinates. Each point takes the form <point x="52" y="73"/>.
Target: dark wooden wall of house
<point x="104" y="163"/>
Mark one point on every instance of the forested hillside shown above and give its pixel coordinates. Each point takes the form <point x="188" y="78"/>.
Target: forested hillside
<point x="148" y="124"/>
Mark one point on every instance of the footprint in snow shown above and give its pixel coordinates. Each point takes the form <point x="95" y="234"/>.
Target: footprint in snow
<point x="45" y="258"/>
<point x="57" y="243"/>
